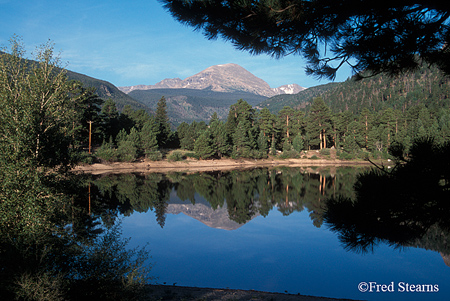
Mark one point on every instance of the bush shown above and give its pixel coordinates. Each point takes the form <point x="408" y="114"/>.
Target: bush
<point x="175" y="156"/>
<point x="314" y="157"/>
<point x="290" y="154"/>
<point x="86" y="158"/>
<point x="325" y="151"/>
<point x="154" y="155"/>
<point x="345" y="156"/>
<point x="191" y="155"/>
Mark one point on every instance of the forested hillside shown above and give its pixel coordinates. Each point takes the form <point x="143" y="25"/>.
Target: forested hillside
<point x="296" y="101"/>
<point x="427" y="86"/>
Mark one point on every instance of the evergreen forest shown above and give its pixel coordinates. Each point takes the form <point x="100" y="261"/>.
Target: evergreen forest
<point x="358" y="118"/>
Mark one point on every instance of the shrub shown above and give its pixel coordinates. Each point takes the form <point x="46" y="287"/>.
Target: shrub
<point x="191" y="155"/>
<point x="290" y="154"/>
<point x="154" y="155"/>
<point x="175" y="156"/>
<point x="345" y="156"/>
<point x="325" y="151"/>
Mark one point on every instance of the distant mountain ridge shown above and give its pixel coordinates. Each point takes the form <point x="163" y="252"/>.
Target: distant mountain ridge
<point x="107" y="90"/>
<point x="221" y="78"/>
<point x="187" y="105"/>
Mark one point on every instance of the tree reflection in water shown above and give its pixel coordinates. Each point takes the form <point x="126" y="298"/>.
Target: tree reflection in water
<point x="53" y="248"/>
<point x="244" y="193"/>
<point x="404" y="207"/>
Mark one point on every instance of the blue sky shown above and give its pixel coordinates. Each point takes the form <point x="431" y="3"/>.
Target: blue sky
<point x="134" y="42"/>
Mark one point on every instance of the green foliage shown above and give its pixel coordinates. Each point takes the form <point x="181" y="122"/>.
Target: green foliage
<point x="203" y="146"/>
<point x="416" y="189"/>
<point x="326" y="34"/>
<point x="175" y="156"/>
<point x="162" y="120"/>
<point x="106" y="151"/>
<point x="37" y="114"/>
<point x="297" y="143"/>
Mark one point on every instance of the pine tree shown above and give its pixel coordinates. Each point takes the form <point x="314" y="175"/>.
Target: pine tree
<point x="319" y="123"/>
<point x="286" y="122"/>
<point x="203" y="147"/>
<point x="297" y="143"/>
<point x="149" y="134"/>
<point x="162" y="120"/>
<point x="221" y="143"/>
<point x="110" y="119"/>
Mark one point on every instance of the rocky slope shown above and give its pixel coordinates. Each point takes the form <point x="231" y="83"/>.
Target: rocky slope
<point x="221" y="78"/>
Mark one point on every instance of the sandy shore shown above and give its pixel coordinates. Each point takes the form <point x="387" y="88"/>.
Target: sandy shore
<point x="193" y="165"/>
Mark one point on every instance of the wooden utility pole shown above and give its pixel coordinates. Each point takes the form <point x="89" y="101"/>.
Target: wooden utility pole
<point x="90" y="135"/>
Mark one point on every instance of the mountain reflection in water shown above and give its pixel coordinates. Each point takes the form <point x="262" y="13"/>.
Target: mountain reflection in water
<point x="228" y="200"/>
<point x="241" y="194"/>
<point x="266" y="229"/>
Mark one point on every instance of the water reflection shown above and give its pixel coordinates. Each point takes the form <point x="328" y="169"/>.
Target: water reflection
<point x="52" y="247"/>
<point x="403" y="208"/>
<point x="227" y="200"/>
<point x="242" y="195"/>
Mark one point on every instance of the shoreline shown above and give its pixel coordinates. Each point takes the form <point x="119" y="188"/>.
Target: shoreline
<point x="193" y="165"/>
<point x="171" y="292"/>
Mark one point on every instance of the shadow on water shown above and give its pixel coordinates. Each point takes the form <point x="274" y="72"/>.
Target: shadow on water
<point x="54" y="247"/>
<point x="407" y="206"/>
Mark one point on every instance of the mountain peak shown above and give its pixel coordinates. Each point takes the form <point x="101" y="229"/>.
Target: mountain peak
<point x="221" y="78"/>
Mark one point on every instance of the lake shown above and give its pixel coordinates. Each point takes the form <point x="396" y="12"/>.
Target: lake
<point x="264" y="229"/>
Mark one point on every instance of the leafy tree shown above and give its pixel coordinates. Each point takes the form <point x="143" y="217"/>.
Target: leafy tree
<point x="44" y="254"/>
<point x="87" y="106"/>
<point x="267" y="124"/>
<point x="36" y="117"/>
<point x="262" y="143"/>
<point x="221" y="141"/>
<point x="391" y="38"/>
<point x="128" y="145"/>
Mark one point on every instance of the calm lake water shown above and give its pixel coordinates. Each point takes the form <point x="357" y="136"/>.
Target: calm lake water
<point x="276" y="239"/>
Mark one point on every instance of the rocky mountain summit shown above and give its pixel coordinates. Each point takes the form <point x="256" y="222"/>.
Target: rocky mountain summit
<point x="221" y="78"/>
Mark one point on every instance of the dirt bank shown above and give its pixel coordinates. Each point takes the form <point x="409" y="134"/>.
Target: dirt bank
<point x="169" y="292"/>
<point x="191" y="165"/>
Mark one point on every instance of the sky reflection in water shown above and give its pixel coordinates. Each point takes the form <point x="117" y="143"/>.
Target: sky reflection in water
<point x="279" y="253"/>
